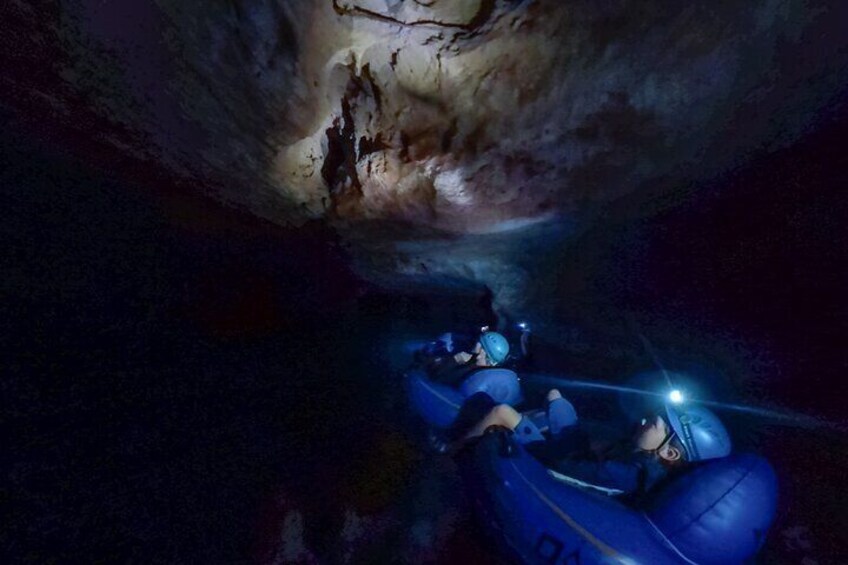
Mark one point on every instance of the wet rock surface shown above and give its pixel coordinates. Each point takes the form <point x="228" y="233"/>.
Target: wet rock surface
<point x="410" y="125"/>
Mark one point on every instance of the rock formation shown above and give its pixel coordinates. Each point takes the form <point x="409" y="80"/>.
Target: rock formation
<point x="444" y="139"/>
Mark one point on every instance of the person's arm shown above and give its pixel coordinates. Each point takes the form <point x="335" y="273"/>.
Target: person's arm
<point x="520" y="356"/>
<point x="446" y="371"/>
<point x="525" y="341"/>
<point x="619" y="475"/>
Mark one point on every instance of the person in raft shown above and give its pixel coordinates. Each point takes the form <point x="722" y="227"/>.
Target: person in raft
<point x="662" y="444"/>
<point x="490" y="350"/>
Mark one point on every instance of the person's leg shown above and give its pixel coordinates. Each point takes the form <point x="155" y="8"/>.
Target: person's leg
<point x="474" y="409"/>
<point x="567" y="437"/>
<point x="502" y="415"/>
<point x="561" y="413"/>
<point x="506" y="416"/>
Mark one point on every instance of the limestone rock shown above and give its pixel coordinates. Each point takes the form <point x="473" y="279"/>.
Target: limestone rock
<point x="443" y="119"/>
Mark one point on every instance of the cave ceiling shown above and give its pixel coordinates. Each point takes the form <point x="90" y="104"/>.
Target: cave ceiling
<point x="441" y="139"/>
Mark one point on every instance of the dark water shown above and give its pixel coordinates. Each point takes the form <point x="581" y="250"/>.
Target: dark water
<point x="183" y="383"/>
<point x="180" y="378"/>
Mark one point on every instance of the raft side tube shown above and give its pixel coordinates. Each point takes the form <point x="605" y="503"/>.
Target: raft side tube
<point x="717" y="512"/>
<point x="545" y="521"/>
<point x="438" y="404"/>
<point x="501" y="384"/>
<point x="733" y="500"/>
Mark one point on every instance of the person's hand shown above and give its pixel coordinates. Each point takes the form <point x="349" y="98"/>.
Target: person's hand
<point x="462" y="357"/>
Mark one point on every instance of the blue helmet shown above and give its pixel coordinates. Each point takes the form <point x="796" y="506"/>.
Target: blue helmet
<point x="700" y="431"/>
<point x="496" y="346"/>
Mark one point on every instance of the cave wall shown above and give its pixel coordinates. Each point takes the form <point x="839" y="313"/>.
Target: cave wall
<point x="425" y="131"/>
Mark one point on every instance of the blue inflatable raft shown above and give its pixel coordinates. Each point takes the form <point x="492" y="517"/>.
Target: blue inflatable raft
<point x="718" y="512"/>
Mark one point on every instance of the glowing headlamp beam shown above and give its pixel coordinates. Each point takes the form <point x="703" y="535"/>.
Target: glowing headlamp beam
<point x="788" y="418"/>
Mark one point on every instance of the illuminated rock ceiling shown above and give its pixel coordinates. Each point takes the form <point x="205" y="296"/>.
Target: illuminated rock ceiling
<point x="416" y="128"/>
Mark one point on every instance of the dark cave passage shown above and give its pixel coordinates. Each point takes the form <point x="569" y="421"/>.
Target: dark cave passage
<point x="211" y="375"/>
